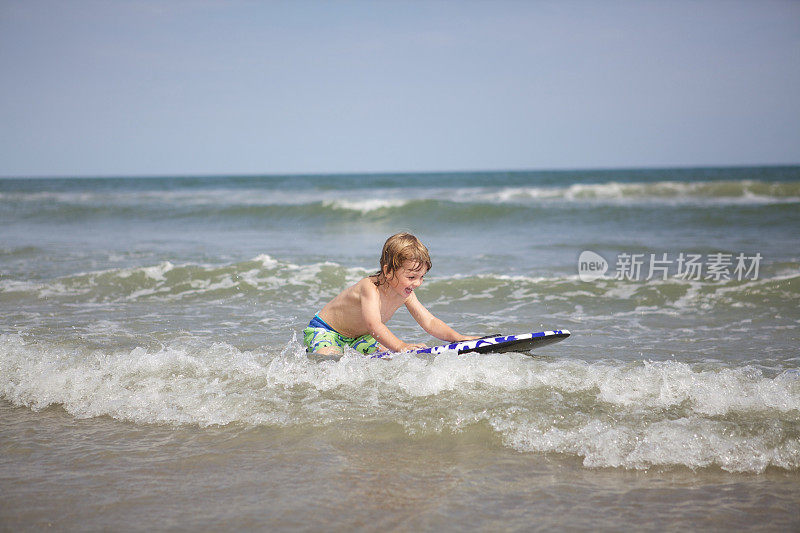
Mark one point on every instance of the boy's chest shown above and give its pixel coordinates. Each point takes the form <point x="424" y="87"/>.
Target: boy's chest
<point x="388" y="308"/>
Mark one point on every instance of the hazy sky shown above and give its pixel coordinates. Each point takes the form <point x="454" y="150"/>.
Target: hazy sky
<point x="167" y="87"/>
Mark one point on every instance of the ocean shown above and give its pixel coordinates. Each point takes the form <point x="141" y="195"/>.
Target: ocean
<point x="152" y="374"/>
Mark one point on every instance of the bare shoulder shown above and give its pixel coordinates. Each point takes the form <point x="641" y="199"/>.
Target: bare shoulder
<point x="366" y="287"/>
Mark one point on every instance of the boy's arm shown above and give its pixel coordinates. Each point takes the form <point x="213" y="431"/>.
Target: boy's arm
<point x="433" y="325"/>
<point x="371" y="312"/>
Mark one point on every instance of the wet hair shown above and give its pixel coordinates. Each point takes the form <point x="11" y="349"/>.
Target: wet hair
<point x="398" y="249"/>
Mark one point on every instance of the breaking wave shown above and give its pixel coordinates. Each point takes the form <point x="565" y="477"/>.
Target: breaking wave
<point x="633" y="415"/>
<point x="433" y="202"/>
<point x="265" y="276"/>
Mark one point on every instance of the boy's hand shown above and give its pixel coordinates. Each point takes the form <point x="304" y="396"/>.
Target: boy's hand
<point x="406" y="347"/>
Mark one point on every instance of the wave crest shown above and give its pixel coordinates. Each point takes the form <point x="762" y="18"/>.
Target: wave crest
<point x="610" y="413"/>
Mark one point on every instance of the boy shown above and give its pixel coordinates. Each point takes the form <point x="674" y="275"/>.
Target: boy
<point x="357" y="316"/>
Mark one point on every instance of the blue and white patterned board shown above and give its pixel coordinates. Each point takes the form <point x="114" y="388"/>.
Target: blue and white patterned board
<point x="502" y="343"/>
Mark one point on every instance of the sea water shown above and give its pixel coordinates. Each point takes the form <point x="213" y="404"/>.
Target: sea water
<point x="152" y="374"/>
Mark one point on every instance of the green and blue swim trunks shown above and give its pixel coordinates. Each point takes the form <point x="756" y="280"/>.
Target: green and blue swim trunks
<point x="319" y="334"/>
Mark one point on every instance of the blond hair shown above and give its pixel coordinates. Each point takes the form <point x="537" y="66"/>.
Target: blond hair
<point x="398" y="249"/>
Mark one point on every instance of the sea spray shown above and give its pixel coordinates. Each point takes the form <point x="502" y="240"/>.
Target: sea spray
<point x="610" y="413"/>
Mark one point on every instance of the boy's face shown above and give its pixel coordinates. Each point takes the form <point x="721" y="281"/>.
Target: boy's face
<point x="407" y="278"/>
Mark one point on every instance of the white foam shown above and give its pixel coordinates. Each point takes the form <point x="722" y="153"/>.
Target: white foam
<point x="612" y="414"/>
<point x="692" y="442"/>
<point x="366" y="205"/>
<point x="153" y="281"/>
<point x="12" y="285"/>
<point x="266" y="261"/>
<point x="157" y="272"/>
<point x="693" y="193"/>
<point x="664" y="192"/>
<point x="186" y="198"/>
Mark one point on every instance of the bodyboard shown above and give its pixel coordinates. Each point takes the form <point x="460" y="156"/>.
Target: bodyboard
<point x="524" y="342"/>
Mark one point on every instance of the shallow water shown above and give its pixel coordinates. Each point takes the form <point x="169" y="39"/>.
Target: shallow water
<point x="104" y="474"/>
<point x="151" y="374"/>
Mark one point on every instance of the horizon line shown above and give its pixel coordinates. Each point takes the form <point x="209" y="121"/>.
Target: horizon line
<point x="394" y="172"/>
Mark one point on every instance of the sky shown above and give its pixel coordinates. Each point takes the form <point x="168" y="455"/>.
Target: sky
<point x="146" y="88"/>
